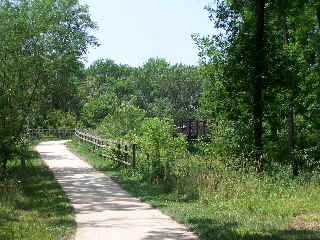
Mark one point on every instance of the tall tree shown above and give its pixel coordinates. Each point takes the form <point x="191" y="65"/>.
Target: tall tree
<point x="41" y="43"/>
<point x="234" y="62"/>
<point x="259" y="72"/>
<point x="262" y="78"/>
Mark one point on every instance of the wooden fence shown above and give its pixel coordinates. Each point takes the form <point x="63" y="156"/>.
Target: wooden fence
<point x="119" y="151"/>
<point x="193" y="129"/>
<point x="49" y="133"/>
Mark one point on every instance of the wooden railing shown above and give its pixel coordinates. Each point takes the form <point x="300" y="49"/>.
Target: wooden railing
<point x="41" y="133"/>
<point x="119" y="151"/>
<point x="193" y="129"/>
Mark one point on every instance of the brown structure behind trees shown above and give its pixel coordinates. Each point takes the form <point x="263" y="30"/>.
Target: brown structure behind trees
<point x="193" y="129"/>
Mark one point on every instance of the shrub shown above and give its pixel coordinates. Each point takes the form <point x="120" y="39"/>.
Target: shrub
<point x="155" y="138"/>
<point x="60" y="119"/>
<point x="97" y="108"/>
<point x="122" y="123"/>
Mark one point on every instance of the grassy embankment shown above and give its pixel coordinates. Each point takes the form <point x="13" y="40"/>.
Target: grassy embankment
<point x="225" y="204"/>
<point x="33" y="205"/>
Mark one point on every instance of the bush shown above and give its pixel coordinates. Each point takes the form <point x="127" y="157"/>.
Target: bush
<point x="60" y="119"/>
<point x="11" y="148"/>
<point x="122" y="123"/>
<point x="97" y="108"/>
<point x="155" y="138"/>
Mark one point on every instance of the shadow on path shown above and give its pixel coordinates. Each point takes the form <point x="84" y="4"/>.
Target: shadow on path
<point x="103" y="209"/>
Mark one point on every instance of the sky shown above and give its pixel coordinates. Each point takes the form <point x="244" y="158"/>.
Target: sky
<point x="132" y="31"/>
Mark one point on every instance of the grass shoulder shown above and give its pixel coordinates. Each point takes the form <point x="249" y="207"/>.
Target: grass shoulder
<point x="242" y="207"/>
<point x="33" y="205"/>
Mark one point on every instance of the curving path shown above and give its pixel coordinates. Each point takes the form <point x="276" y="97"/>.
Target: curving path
<point x="103" y="210"/>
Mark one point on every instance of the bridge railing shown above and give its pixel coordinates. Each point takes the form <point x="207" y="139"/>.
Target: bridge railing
<point x="193" y="129"/>
<point x="119" y="151"/>
<point x="49" y="133"/>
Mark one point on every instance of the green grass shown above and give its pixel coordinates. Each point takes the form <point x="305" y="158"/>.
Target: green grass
<point x="32" y="204"/>
<point x="224" y="204"/>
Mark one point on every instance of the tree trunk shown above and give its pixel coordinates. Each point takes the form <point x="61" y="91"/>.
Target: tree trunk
<point x="318" y="15"/>
<point x="23" y="161"/>
<point x="291" y="156"/>
<point x="3" y="167"/>
<point x="259" y="82"/>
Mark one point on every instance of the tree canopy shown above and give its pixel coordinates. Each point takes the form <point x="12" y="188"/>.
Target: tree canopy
<point x="41" y="43"/>
<point x="262" y="78"/>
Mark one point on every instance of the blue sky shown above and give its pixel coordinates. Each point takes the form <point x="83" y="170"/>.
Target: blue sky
<point x="132" y="31"/>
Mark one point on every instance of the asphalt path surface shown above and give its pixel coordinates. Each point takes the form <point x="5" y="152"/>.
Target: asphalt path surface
<point x="104" y="211"/>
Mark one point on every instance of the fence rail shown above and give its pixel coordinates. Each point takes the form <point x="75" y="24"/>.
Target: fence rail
<point x="42" y="132"/>
<point x="118" y="151"/>
<point x="193" y="129"/>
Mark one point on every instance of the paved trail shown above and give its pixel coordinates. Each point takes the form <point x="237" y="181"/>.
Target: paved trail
<point x="103" y="210"/>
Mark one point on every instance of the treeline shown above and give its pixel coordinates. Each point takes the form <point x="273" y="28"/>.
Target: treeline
<point x="157" y="88"/>
<point x="118" y="97"/>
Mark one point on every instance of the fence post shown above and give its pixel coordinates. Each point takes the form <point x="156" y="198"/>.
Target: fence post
<point x="94" y="144"/>
<point x="190" y="129"/>
<point x="134" y="149"/>
<point x="182" y="126"/>
<point x="126" y="154"/>
<point x="197" y="128"/>
<point x="119" y="151"/>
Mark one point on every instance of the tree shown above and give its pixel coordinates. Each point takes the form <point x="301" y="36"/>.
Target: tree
<point x="162" y="90"/>
<point x="40" y="46"/>
<point x="259" y="70"/>
<point x="157" y="83"/>
<point x="262" y="74"/>
<point x="234" y="64"/>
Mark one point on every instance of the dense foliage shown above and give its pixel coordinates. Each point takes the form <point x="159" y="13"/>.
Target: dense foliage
<point x="262" y="81"/>
<point x="41" y="43"/>
<point x="158" y="88"/>
<point x="140" y="105"/>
